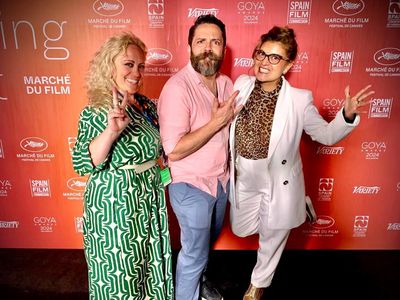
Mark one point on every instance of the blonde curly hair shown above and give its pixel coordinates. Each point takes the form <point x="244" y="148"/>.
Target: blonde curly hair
<point x="99" y="79"/>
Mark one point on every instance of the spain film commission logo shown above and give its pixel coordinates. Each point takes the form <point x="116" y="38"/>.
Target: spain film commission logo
<point x="380" y="108"/>
<point x="341" y="61"/>
<point x="155" y="13"/>
<point x="325" y="189"/>
<point x="393" y="19"/>
<point x="299" y="12"/>
<point x="360" y="226"/>
<point x="40" y="188"/>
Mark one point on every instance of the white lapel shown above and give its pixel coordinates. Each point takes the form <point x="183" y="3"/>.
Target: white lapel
<point x="280" y="117"/>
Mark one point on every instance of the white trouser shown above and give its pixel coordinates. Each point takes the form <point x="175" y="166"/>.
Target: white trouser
<point x="253" y="194"/>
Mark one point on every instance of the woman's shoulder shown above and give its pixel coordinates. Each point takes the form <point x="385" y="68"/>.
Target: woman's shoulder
<point x="244" y="80"/>
<point x="297" y="91"/>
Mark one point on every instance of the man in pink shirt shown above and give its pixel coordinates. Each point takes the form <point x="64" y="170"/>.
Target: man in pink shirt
<point x="195" y="109"/>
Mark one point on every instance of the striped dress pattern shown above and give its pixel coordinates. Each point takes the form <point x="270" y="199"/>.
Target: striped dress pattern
<point x="125" y="222"/>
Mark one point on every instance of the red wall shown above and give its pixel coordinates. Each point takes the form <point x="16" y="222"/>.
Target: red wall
<point x="45" y="47"/>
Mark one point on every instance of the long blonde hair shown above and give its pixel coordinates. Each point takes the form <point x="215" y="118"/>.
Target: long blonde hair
<point x="99" y="79"/>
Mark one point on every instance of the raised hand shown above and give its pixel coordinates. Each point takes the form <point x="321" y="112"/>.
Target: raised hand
<point x="353" y="104"/>
<point x="223" y="113"/>
<point x="117" y="116"/>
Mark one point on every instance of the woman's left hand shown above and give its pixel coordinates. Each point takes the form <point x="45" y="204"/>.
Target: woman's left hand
<point x="352" y="104"/>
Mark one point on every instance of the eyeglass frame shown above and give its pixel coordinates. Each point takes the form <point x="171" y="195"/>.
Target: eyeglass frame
<point x="260" y="51"/>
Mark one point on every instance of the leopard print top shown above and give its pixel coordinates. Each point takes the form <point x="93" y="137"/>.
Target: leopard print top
<point x="254" y="123"/>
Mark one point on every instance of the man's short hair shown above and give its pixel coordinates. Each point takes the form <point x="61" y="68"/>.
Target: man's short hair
<point x="207" y="19"/>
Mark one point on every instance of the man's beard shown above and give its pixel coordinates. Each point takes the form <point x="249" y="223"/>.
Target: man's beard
<point x="209" y="67"/>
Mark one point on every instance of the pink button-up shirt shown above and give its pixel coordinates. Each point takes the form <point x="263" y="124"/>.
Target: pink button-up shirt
<point x="185" y="105"/>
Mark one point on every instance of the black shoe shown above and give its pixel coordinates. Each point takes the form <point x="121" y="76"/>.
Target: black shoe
<point x="208" y="291"/>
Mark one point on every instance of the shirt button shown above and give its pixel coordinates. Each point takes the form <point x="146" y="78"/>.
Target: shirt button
<point x="284" y="161"/>
<point x="285" y="182"/>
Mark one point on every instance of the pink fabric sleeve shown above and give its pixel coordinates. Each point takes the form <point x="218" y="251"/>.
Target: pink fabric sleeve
<point x="174" y="118"/>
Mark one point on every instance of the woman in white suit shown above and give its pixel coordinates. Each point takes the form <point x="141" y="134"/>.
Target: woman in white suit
<point x="267" y="183"/>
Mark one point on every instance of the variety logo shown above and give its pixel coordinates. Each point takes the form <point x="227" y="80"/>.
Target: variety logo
<point x="33" y="144"/>
<point x="387" y="56"/>
<point x="242" y="62"/>
<point x="197" y="12"/>
<point x="360" y="226"/>
<point x="327" y="150"/>
<point x="76" y="184"/>
<point x="348" y="8"/>
<point x="158" y="56"/>
<point x="366" y="189"/>
<point x="323" y="222"/>
<point x="9" y="224"/>
<point x="108" y="8"/>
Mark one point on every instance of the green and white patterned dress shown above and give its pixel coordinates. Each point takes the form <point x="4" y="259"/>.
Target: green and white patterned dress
<point x="126" y="237"/>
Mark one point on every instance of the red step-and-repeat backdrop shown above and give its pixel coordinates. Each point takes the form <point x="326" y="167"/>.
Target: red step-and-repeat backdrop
<point x="45" y="47"/>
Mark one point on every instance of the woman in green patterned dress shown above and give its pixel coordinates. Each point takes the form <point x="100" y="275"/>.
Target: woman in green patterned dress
<point x="126" y="238"/>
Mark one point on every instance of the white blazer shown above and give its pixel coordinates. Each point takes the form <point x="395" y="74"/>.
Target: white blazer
<point x="294" y="113"/>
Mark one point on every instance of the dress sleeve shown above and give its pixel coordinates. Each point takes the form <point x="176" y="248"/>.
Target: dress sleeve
<point x="90" y="126"/>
